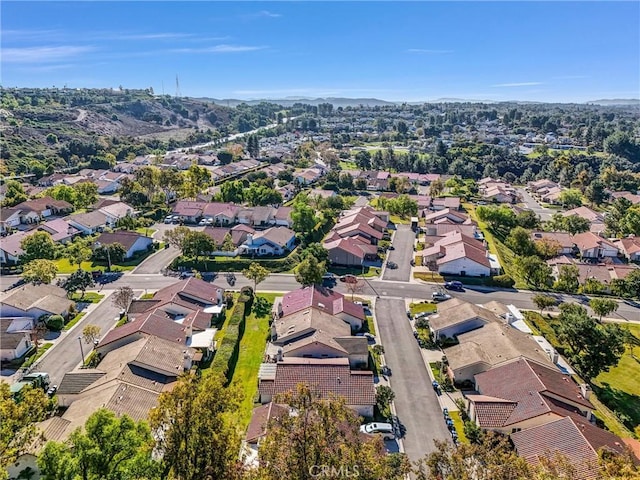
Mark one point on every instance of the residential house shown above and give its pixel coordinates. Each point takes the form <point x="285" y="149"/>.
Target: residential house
<point x="36" y="209"/>
<point x="133" y="242"/>
<point x="483" y="348"/>
<point x="574" y="438"/>
<point x="273" y="241"/>
<point x="188" y="211"/>
<point x="115" y="210"/>
<point x="538" y="185"/>
<point x="257" y="217"/>
<point x="446" y="215"/>
<point x="90" y="222"/>
<point x="450" y="203"/>
<point x="35" y="301"/>
<point x="326" y="377"/>
<point x="590" y="245"/>
<point x="221" y="213"/>
<point x="283" y="217"/>
<point x="350" y="251"/>
<point x="307" y="176"/>
<point x="562" y="239"/>
<point x="180" y="313"/>
<point x="238" y="233"/>
<point x="457" y="254"/>
<point x="596" y="219"/>
<point x="602" y="272"/>
<point x="442" y="229"/>
<point x="10" y="218"/>
<point x="313" y="333"/>
<point x="325" y="299"/>
<point x="16" y="337"/>
<point x="634" y="198"/>
<point x="630" y="247"/>
<point x="261" y="417"/>
<point x="127" y="381"/>
<point x="456" y="316"/>
<point x="10" y="249"/>
<point x="60" y="230"/>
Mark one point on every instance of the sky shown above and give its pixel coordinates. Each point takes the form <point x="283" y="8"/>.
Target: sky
<point x="550" y="51"/>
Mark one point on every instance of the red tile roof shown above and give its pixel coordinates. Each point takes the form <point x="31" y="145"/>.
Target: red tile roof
<point x="260" y="420"/>
<point x="123" y="237"/>
<point x="330" y="376"/>
<point x="491" y="412"/>
<point x="578" y="441"/>
<point x="322" y="298"/>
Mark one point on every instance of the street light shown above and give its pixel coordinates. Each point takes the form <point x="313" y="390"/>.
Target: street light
<point x="98" y="245"/>
<point x="81" y="349"/>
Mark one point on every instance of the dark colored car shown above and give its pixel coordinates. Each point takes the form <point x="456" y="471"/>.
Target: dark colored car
<point x="454" y="285"/>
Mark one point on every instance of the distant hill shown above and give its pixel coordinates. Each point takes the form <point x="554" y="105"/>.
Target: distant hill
<point x="289" y="101"/>
<point x="615" y="101"/>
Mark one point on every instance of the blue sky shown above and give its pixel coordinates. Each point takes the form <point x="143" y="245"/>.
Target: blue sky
<point x="541" y="51"/>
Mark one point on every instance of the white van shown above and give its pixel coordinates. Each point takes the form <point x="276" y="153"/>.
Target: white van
<point x="384" y="429"/>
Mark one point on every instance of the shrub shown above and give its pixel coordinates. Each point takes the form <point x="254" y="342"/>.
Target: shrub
<point x="422" y="323"/>
<point x="504" y="281"/>
<point x="227" y="353"/>
<point x="55" y="323"/>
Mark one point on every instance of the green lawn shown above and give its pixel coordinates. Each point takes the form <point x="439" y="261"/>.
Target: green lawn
<point x="619" y="388"/>
<point x="348" y="165"/>
<point x="252" y="347"/>
<point x="147" y="296"/>
<point x="65" y="267"/>
<point x="89" y="297"/>
<point x="357" y="271"/>
<point x="146" y="231"/>
<point x="459" y="424"/>
<point x="399" y="220"/>
<point x="43" y="348"/>
<point x="73" y="321"/>
<point x="420" y="307"/>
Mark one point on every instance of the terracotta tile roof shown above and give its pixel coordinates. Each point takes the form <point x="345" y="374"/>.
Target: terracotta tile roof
<point x="327" y="377"/>
<point x="238" y="235"/>
<point x="189" y="208"/>
<point x="462" y="313"/>
<point x="630" y="245"/>
<point x="491" y="412"/>
<point x="322" y="298"/>
<point x="578" y="441"/>
<point x="260" y="419"/>
<point x="355" y="228"/>
<point x="528" y="383"/>
<point x="589" y="240"/>
<point x="277" y="235"/>
<point x="132" y="401"/>
<point x="563" y="238"/>
<point x="40" y="204"/>
<point x="462" y="249"/>
<point x="585" y="212"/>
<point x="353" y="245"/>
<point x="76" y="382"/>
<point x="308" y="321"/>
<point x="89" y="219"/>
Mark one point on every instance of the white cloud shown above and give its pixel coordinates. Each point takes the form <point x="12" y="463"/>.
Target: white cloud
<point x="43" y="54"/>
<point x="151" y="36"/>
<point x="267" y="13"/>
<point x="517" y="84"/>
<point x="428" y="51"/>
<point x="220" y="49"/>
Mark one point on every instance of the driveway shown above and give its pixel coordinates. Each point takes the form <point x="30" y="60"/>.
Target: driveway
<point x="532" y="204"/>
<point x="403" y="242"/>
<point x="157" y="261"/>
<point x="416" y="403"/>
<point x="65" y="355"/>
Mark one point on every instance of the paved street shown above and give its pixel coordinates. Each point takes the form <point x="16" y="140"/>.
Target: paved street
<point x="403" y="242"/>
<point x="532" y="204"/>
<point x="415" y="401"/>
<point x="383" y="288"/>
<point x="65" y="356"/>
<point x="157" y="261"/>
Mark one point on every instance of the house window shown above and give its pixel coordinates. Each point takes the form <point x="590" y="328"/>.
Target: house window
<point x="514" y="430"/>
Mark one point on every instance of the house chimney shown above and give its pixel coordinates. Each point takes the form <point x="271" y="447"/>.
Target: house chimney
<point x="279" y="356"/>
<point x="188" y="332"/>
<point x="249" y="239"/>
<point x="187" y="361"/>
<point x="219" y="295"/>
<point x="585" y="390"/>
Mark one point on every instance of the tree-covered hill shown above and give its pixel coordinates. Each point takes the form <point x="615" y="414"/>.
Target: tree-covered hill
<point x="51" y="129"/>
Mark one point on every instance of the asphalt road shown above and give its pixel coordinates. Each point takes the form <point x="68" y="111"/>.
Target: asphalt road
<point x="403" y="242"/>
<point x="532" y="204"/>
<point x="416" y="403"/>
<point x="382" y="288"/>
<point x="66" y="355"/>
<point x="157" y="261"/>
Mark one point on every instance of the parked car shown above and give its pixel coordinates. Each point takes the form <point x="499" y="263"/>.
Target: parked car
<point x="420" y="315"/>
<point x="454" y="285"/>
<point x="439" y="296"/>
<point x="168" y="219"/>
<point x="391" y="247"/>
<point x="375" y="428"/>
<point x="349" y="278"/>
<point x="51" y="391"/>
<point x="445" y="413"/>
<point x="409" y="314"/>
<point x="392" y="265"/>
<point x="202" y="222"/>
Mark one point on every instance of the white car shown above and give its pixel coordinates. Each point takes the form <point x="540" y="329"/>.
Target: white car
<point x="168" y="219"/>
<point x="439" y="296"/>
<point x="375" y="428"/>
<point x="202" y="222"/>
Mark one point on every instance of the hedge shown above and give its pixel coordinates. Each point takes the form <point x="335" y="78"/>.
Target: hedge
<point x="228" y="350"/>
<point x="236" y="264"/>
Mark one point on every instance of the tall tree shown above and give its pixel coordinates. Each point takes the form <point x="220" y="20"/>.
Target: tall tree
<point x="14" y="194"/>
<point x="197" y="446"/>
<point x="256" y="273"/>
<point x="78" y="280"/>
<point x="40" y="271"/>
<point x="321" y="434"/>
<point x="593" y="347"/>
<point x="571" y="198"/>
<point x="86" y="194"/>
<point x="90" y="333"/>
<point x="603" y="306"/>
<point x="38" y="245"/>
<point x="78" y="251"/>
<point x="176" y="236"/>
<point x="519" y="240"/>
<point x="534" y="271"/>
<point x="544" y="301"/>
<point x="123" y="297"/>
<point x="568" y="278"/>
<point x="17" y="421"/>
<point x="110" y="448"/>
<point x="309" y="271"/>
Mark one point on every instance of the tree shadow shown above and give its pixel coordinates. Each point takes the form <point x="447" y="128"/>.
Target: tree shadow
<point x="625" y="405"/>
